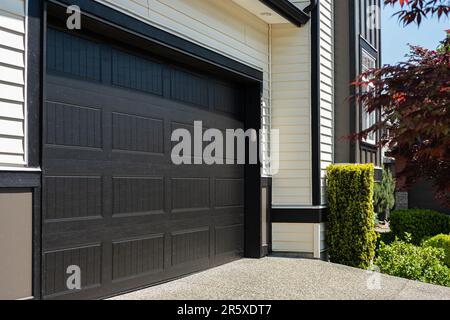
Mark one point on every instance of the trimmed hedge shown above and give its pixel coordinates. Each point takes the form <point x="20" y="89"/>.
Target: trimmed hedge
<point x="440" y="241"/>
<point x="419" y="223"/>
<point x="403" y="259"/>
<point x="351" y="236"/>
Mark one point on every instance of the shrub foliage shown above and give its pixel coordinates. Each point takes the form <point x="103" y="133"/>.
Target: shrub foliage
<point x="419" y="223"/>
<point x="403" y="259"/>
<point x="383" y="195"/>
<point x="350" y="233"/>
<point x="440" y="241"/>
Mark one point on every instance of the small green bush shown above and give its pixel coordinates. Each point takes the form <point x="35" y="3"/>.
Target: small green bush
<point x="403" y="259"/>
<point x="383" y="195"/>
<point x="419" y="223"/>
<point x="440" y="241"/>
<point x="385" y="237"/>
<point x="351" y="236"/>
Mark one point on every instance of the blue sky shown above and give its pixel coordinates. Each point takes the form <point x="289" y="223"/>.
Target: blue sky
<point x="395" y="37"/>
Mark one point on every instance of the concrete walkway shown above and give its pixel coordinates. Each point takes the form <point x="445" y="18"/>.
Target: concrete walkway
<point x="285" y="279"/>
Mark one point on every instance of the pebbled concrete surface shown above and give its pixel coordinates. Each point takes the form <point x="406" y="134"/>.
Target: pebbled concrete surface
<point x="288" y="279"/>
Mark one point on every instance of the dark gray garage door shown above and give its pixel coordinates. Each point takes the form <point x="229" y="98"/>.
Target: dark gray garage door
<point x="114" y="205"/>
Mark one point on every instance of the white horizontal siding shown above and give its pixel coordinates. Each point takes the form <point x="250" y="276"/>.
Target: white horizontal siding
<point x="11" y="57"/>
<point x="11" y="145"/>
<point x="12" y="40"/>
<point x="299" y="237"/>
<point x="291" y="115"/>
<point x="326" y="78"/>
<point x="12" y="110"/>
<point x="12" y="82"/>
<point x="12" y="74"/>
<point x="293" y="237"/>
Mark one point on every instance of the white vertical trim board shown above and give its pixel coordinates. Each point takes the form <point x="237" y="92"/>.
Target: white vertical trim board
<point x="326" y="89"/>
<point x="316" y="241"/>
<point x="266" y="115"/>
<point x="12" y="82"/>
<point x="323" y="242"/>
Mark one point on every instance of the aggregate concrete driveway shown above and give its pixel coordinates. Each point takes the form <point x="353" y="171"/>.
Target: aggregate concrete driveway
<point x="286" y="279"/>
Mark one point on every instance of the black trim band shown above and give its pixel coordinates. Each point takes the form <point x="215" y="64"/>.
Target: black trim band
<point x="287" y="10"/>
<point x="161" y="38"/>
<point x="299" y="215"/>
<point x="34" y="81"/>
<point x="20" y="179"/>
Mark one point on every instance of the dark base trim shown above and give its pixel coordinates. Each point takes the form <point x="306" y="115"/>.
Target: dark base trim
<point x="300" y="215"/>
<point x="20" y="179"/>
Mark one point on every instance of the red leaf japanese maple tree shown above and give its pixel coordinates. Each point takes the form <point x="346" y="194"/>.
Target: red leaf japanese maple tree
<point x="414" y="99"/>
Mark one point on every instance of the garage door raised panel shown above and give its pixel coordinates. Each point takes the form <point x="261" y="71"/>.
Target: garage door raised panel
<point x="114" y="204"/>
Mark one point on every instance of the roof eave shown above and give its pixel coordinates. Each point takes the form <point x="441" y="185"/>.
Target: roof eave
<point x="288" y="10"/>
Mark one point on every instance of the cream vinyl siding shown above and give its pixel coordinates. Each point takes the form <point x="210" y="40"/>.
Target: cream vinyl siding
<point x="291" y="105"/>
<point x="293" y="237"/>
<point x="12" y="82"/>
<point x="220" y="25"/>
<point x="305" y="238"/>
<point x="326" y="42"/>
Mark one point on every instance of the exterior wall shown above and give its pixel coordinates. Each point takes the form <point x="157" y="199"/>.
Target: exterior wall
<point x="355" y="18"/>
<point x="368" y="37"/>
<point x="291" y="113"/>
<point x="343" y="111"/>
<point x="326" y="88"/>
<point x="421" y="196"/>
<point x="291" y="102"/>
<point x="364" y="19"/>
<point x="304" y="238"/>
<point x="12" y="83"/>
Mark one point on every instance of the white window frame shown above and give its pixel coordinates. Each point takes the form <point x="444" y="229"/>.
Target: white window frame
<point x="368" y="119"/>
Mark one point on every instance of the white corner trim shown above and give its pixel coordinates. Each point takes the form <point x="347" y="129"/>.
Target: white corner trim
<point x="19" y="169"/>
<point x="316" y="241"/>
<point x="275" y="206"/>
